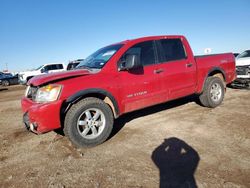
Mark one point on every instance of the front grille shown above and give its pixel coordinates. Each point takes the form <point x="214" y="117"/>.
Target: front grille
<point x="31" y="94"/>
<point x="242" y="70"/>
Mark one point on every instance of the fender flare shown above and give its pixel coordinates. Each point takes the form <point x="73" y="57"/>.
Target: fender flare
<point x="86" y="92"/>
<point x="213" y="70"/>
<point x="217" y="69"/>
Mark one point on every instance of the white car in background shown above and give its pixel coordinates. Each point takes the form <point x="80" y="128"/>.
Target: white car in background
<point x="242" y="62"/>
<point x="44" y="69"/>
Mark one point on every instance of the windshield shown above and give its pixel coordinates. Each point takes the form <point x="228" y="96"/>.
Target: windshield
<point x="98" y="59"/>
<point x="244" y="54"/>
<point x="39" y="67"/>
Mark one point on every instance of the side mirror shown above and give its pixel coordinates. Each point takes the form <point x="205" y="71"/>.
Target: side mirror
<point x="42" y="70"/>
<point x="132" y="61"/>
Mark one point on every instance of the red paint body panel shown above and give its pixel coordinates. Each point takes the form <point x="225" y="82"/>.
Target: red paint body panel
<point x="46" y="116"/>
<point x="131" y="90"/>
<point x="225" y="62"/>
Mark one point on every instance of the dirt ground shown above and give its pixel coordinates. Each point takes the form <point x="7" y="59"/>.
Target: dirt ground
<point x="174" y="144"/>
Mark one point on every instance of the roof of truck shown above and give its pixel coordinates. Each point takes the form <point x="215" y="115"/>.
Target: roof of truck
<point x="150" y="38"/>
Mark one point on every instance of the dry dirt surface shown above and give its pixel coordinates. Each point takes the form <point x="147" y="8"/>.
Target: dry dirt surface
<point x="176" y="144"/>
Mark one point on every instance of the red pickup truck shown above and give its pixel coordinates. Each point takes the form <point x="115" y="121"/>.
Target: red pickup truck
<point x="121" y="78"/>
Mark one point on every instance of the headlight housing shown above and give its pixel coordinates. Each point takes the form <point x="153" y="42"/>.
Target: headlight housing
<point x="48" y="93"/>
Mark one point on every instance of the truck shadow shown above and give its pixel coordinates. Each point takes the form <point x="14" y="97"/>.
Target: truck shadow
<point x="177" y="162"/>
<point x="3" y="89"/>
<point x="121" y="121"/>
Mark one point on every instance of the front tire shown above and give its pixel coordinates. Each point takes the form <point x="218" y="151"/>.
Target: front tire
<point x="89" y="122"/>
<point x="5" y="83"/>
<point x="213" y="93"/>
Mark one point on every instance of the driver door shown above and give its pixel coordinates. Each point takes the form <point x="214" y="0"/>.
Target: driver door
<point x="140" y="87"/>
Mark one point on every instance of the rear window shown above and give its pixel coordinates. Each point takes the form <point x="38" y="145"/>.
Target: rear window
<point x="171" y="50"/>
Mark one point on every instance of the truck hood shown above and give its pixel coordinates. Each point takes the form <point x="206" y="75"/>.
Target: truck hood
<point x="243" y="61"/>
<point x="52" y="77"/>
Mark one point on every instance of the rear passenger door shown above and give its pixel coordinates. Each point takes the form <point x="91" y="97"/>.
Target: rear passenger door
<point x="179" y="72"/>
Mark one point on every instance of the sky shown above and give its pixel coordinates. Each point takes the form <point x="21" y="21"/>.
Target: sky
<point x="36" y="32"/>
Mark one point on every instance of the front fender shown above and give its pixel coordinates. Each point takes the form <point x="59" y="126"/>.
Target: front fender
<point x="94" y="91"/>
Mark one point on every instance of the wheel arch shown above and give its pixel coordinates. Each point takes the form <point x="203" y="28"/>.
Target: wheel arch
<point x="95" y="92"/>
<point x="216" y="72"/>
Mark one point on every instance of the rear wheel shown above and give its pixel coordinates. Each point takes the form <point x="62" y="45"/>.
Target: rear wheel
<point x="5" y="83"/>
<point x="213" y="93"/>
<point x="89" y="122"/>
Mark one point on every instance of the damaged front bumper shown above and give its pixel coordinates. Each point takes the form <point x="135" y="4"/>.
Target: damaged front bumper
<point x="41" y="118"/>
<point x="29" y="126"/>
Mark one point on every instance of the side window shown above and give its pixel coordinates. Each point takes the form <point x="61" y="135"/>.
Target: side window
<point x="172" y="49"/>
<point x="49" y="67"/>
<point x="46" y="68"/>
<point x="146" y="52"/>
<point x="53" y="67"/>
<point x="59" y="66"/>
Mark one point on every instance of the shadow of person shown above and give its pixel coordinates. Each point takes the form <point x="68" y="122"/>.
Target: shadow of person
<point x="177" y="162"/>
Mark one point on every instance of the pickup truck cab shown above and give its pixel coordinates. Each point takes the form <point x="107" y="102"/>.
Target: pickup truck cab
<point x="24" y="77"/>
<point x="121" y="78"/>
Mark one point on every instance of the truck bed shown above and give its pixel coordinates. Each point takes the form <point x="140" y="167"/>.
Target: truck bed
<point x="208" y="63"/>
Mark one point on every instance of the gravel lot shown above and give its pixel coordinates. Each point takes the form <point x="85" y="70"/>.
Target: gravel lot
<point x="176" y="143"/>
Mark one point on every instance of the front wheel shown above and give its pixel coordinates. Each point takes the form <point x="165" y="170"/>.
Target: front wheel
<point x="213" y="92"/>
<point x="88" y="122"/>
<point x="5" y="83"/>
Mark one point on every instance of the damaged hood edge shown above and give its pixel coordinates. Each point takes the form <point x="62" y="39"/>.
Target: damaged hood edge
<point x="52" y="77"/>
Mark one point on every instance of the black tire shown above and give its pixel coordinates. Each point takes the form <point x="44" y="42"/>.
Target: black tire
<point x="72" y="126"/>
<point x="206" y="98"/>
<point x="5" y="83"/>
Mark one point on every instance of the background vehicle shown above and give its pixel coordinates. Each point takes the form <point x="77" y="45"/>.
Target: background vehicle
<point x="121" y="78"/>
<point x="44" y="69"/>
<point x="73" y="64"/>
<point x="243" y="69"/>
<point x="7" y="79"/>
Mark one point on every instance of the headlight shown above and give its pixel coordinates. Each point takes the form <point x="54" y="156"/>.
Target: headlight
<point x="48" y="93"/>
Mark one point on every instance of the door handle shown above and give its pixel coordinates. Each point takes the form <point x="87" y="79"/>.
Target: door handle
<point x="189" y="64"/>
<point x="158" y="71"/>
